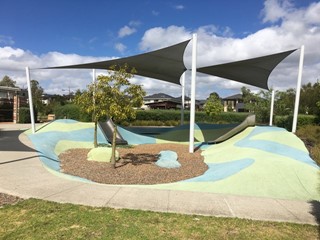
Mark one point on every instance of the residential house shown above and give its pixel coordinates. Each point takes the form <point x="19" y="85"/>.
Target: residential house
<point x="233" y="103"/>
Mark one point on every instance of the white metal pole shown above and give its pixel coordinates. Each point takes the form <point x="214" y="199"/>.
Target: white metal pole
<point x="93" y="75"/>
<point x="271" y="108"/>
<point x="183" y="80"/>
<point x="30" y="100"/>
<point x="193" y="92"/>
<point x="297" y="101"/>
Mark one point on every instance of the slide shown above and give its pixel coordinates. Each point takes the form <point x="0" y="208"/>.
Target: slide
<point x="107" y="130"/>
<point x="249" y="121"/>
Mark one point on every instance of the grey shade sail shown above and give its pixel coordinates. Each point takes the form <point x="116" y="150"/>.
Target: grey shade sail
<point x="164" y="64"/>
<point x="254" y="71"/>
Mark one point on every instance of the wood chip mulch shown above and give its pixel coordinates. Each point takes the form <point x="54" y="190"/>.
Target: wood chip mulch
<point x="6" y="199"/>
<point x="136" y="165"/>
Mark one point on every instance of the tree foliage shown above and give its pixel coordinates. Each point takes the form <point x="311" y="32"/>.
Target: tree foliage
<point x="257" y="103"/>
<point x="213" y="105"/>
<point x="37" y="92"/>
<point x="7" y="82"/>
<point x="112" y="95"/>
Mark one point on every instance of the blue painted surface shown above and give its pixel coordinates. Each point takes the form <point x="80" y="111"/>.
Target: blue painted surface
<point x="46" y="142"/>
<point x="168" y="159"/>
<point x="274" y="147"/>
<point x="220" y="171"/>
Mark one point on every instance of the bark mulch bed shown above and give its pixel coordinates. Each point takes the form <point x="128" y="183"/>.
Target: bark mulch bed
<point x="8" y="199"/>
<point x="136" y="165"/>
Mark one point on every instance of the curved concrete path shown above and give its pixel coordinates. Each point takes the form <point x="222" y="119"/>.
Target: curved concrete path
<point x="22" y="174"/>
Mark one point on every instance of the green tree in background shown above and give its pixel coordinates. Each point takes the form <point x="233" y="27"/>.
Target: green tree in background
<point x="112" y="95"/>
<point x="7" y="82"/>
<point x="257" y="103"/>
<point x="213" y="105"/>
<point x="37" y="92"/>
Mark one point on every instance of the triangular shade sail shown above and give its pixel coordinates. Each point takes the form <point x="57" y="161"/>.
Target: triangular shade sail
<point x="164" y="64"/>
<point x="254" y="71"/>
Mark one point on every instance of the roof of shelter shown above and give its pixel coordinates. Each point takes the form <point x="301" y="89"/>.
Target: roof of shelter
<point x="254" y="71"/>
<point x="167" y="64"/>
<point x="164" y="64"/>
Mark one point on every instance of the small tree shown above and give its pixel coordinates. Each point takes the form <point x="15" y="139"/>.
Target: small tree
<point x="213" y="105"/>
<point x="113" y="96"/>
<point x="7" y="82"/>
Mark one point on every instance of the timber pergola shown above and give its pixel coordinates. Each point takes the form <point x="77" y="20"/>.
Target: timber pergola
<point x="167" y="64"/>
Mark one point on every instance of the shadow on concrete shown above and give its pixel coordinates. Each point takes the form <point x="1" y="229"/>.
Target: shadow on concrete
<point x="9" y="141"/>
<point x="315" y="211"/>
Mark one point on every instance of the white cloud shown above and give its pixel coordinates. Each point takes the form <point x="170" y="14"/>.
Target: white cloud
<point x="6" y="40"/>
<point x="126" y="31"/>
<point x="290" y="28"/>
<point x="120" y="47"/>
<point x="179" y="7"/>
<point x="294" y="27"/>
<point x="159" y="37"/>
<point x="155" y="13"/>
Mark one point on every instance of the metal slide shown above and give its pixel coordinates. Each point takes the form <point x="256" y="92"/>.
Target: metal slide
<point x="248" y="122"/>
<point x="107" y="130"/>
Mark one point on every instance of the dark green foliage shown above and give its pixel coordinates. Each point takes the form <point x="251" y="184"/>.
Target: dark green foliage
<point x="172" y="117"/>
<point x="7" y="82"/>
<point x="71" y="111"/>
<point x="24" y="115"/>
<point x="286" y="121"/>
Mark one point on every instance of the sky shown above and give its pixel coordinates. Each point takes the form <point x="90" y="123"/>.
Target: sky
<point x="44" y="33"/>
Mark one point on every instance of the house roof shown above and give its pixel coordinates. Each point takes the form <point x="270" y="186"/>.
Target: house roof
<point x="158" y="96"/>
<point x="233" y="97"/>
<point x="9" y="89"/>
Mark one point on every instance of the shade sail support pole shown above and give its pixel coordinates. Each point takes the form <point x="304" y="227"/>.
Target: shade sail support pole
<point x="33" y="127"/>
<point x="193" y="92"/>
<point x="297" y="100"/>
<point x="183" y="80"/>
<point x="93" y="76"/>
<point x="271" y="108"/>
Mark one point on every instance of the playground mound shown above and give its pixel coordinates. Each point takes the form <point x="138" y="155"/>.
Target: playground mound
<point x="136" y="165"/>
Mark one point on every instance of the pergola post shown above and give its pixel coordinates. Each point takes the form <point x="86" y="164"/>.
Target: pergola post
<point x="193" y="92"/>
<point x="30" y="100"/>
<point x="183" y="80"/>
<point x="297" y="100"/>
<point x="271" y="108"/>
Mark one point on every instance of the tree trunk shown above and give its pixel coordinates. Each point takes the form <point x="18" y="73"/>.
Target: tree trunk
<point x="113" y="153"/>
<point x="95" y="137"/>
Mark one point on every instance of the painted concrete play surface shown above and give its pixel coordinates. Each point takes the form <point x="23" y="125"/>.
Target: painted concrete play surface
<point x="260" y="161"/>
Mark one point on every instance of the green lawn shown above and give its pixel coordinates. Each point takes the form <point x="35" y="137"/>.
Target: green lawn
<point x="38" y="219"/>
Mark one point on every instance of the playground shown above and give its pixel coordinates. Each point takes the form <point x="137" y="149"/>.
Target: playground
<point x="259" y="161"/>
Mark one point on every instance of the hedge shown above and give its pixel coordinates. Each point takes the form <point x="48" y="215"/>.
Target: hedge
<point x="303" y="120"/>
<point x="175" y="116"/>
<point x="24" y="115"/>
<point x="71" y="111"/>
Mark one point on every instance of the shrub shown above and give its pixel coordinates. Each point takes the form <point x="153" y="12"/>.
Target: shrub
<point x="71" y="111"/>
<point x="24" y="115"/>
<point x="172" y="117"/>
<point x="303" y="120"/>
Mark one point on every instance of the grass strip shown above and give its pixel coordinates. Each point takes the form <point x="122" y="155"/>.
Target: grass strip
<point x="38" y="219"/>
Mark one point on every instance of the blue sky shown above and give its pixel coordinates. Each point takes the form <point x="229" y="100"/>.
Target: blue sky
<point x="48" y="33"/>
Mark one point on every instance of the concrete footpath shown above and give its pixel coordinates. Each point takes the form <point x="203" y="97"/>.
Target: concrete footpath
<point x="22" y="174"/>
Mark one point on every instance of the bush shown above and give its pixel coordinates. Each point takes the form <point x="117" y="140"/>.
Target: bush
<point x="303" y="120"/>
<point x="172" y="117"/>
<point x="71" y="111"/>
<point x="310" y="135"/>
<point x="24" y="115"/>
